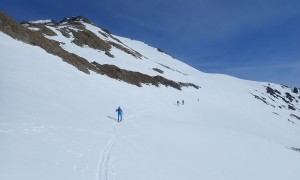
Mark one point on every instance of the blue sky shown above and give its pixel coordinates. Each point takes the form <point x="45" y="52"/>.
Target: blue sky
<point x="250" y="39"/>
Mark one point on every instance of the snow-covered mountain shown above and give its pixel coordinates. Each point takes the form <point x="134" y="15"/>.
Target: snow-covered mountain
<point x="62" y="82"/>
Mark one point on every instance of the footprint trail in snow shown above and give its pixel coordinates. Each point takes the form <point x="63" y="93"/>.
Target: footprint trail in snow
<point x="105" y="155"/>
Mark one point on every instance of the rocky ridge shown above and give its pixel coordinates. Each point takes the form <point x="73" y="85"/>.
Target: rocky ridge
<point x="36" y="32"/>
<point x="282" y="99"/>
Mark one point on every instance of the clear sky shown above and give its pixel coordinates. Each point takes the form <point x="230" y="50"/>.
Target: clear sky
<point x="250" y="39"/>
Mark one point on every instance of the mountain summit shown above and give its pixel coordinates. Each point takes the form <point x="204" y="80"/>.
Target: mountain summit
<point x="61" y="83"/>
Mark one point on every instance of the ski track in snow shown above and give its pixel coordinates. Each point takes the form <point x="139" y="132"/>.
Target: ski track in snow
<point x="102" y="169"/>
<point x="105" y="155"/>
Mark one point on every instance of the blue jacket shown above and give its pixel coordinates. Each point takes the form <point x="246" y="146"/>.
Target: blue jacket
<point x="119" y="110"/>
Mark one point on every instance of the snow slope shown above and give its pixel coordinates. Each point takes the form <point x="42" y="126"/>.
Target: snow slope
<point x="59" y="123"/>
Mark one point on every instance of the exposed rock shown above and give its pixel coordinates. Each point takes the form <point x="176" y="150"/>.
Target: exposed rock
<point x="103" y="34"/>
<point x="289" y="96"/>
<point x="291" y="121"/>
<point x="295" y="149"/>
<point x="297" y="117"/>
<point x="277" y="94"/>
<point x="88" y="38"/>
<point x="158" y="70"/>
<point x="109" y="54"/>
<point x="116" y="39"/>
<point x="272" y="91"/>
<point x="105" y="30"/>
<point x="108" y="35"/>
<point x="189" y="84"/>
<point x="284" y="86"/>
<point x="42" y="28"/>
<point x="45" y="30"/>
<point x="288" y="102"/>
<point x="172" y="69"/>
<point x="291" y="107"/>
<point x="137" y="78"/>
<point x="85" y="37"/>
<point x="262" y="99"/>
<point x="65" y="32"/>
<point x="126" y="50"/>
<point x="160" y="50"/>
<point x="295" y="90"/>
<point x="75" y="19"/>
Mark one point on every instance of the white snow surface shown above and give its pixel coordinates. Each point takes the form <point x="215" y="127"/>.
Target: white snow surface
<point x="34" y="28"/>
<point x="57" y="123"/>
<point x="40" y="21"/>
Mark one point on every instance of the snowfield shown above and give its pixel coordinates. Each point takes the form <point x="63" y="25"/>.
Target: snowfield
<point x="57" y="123"/>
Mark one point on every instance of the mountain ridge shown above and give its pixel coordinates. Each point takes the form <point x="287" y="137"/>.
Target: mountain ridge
<point x="82" y="37"/>
<point x="75" y="30"/>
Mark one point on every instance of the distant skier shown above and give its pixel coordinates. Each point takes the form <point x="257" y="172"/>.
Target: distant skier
<point x="120" y="114"/>
<point x="182" y="102"/>
<point x="177" y="103"/>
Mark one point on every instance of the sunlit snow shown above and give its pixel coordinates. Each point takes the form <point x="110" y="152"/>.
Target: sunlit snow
<point x="57" y="123"/>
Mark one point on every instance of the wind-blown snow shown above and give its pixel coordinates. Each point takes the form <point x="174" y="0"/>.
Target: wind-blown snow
<point x="59" y="123"/>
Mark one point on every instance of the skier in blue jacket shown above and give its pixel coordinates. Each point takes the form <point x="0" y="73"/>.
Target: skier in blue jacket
<point x="120" y="113"/>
